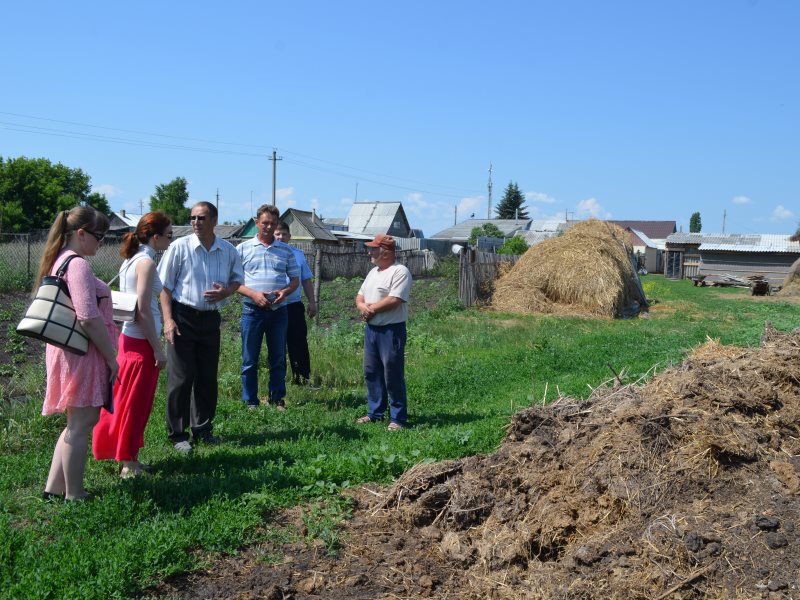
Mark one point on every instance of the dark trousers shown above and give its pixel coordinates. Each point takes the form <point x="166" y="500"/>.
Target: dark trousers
<point x="297" y="342"/>
<point x="384" y="371"/>
<point x="193" y="361"/>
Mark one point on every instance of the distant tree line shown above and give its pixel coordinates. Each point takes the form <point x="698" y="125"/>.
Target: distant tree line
<point x="34" y="190"/>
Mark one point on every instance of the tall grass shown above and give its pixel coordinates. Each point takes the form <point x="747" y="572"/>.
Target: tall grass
<point x="467" y="372"/>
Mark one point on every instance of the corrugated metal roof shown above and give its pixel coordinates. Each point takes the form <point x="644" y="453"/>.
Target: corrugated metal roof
<point x="534" y="237"/>
<point x="736" y="242"/>
<point x="373" y="217"/>
<point x="461" y="231"/>
<point x="223" y="231"/>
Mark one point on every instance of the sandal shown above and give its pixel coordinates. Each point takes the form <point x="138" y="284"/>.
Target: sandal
<point x="366" y="419"/>
<point x="395" y="426"/>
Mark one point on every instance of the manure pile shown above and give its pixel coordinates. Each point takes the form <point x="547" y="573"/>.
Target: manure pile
<point x="684" y="487"/>
<point x="585" y="271"/>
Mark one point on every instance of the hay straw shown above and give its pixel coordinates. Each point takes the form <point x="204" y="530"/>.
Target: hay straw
<point x="585" y="271"/>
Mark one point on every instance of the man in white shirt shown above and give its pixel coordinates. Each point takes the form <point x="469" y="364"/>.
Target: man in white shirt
<point x="383" y="304"/>
<point x="199" y="272"/>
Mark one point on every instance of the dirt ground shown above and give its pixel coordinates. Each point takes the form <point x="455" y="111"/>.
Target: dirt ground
<point x="684" y="487"/>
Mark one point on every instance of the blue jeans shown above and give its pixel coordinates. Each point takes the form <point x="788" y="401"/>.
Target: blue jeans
<point x="257" y="322"/>
<point x="384" y="371"/>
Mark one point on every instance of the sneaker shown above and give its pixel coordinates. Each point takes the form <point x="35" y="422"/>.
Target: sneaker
<point x="183" y="447"/>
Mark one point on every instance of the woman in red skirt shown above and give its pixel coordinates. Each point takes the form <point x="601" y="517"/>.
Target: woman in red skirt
<point x="120" y="436"/>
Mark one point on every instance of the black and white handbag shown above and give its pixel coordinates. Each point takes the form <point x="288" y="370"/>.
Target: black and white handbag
<point x="51" y="316"/>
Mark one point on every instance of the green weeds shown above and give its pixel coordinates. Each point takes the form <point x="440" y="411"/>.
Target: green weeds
<point x="467" y="372"/>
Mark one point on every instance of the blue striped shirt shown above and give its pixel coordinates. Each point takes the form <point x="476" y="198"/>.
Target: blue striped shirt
<point x="267" y="268"/>
<point x="305" y="274"/>
<point x="188" y="269"/>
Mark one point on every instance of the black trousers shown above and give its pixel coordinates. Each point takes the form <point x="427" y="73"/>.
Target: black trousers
<point x="297" y="342"/>
<point x="192" y="366"/>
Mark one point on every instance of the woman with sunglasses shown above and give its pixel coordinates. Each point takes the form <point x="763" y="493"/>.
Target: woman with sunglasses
<point x="78" y="384"/>
<point x="120" y="436"/>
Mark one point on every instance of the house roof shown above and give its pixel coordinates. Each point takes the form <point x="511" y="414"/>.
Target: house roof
<point x="656" y="230"/>
<point x="311" y="223"/>
<point x="224" y="231"/>
<point x="375" y="217"/>
<point x="659" y="245"/>
<point x="461" y="231"/>
<point x="737" y="242"/>
<point x="124" y="220"/>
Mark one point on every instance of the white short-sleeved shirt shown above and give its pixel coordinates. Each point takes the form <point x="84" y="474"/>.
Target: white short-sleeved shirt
<point x="391" y="281"/>
<point x="188" y="269"/>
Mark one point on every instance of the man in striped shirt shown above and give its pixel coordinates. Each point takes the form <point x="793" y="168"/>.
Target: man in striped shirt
<point x="268" y="264"/>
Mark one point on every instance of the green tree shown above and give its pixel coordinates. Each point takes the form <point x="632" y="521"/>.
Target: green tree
<point x="171" y="198"/>
<point x="485" y="230"/>
<point x="33" y="190"/>
<point x="695" y="224"/>
<point x="515" y="245"/>
<point x="511" y="206"/>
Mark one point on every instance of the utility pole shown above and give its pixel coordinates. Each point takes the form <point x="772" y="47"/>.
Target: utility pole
<point x="489" y="209"/>
<point x="217" y="200"/>
<point x="275" y="158"/>
<point x="455" y="214"/>
<point x="724" y="216"/>
<point x="356" y="198"/>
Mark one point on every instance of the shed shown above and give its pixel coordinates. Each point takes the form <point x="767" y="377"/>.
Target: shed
<point x="652" y="253"/>
<point x="740" y="255"/>
<point x="123" y="221"/>
<point x="306" y="226"/>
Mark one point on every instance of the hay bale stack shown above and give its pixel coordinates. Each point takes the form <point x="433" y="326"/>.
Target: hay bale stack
<point x="585" y="271"/>
<point x="791" y="284"/>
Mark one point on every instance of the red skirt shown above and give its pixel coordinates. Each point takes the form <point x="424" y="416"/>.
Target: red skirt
<point x="120" y="435"/>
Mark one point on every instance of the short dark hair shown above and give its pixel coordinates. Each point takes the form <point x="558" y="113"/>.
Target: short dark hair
<point x="283" y="227"/>
<point x="212" y="210"/>
<point x="268" y="208"/>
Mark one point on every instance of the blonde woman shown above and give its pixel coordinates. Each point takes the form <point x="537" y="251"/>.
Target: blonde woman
<point x="120" y="436"/>
<point x="78" y="385"/>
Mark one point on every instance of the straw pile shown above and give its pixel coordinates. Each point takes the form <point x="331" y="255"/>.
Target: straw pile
<point x="791" y="284"/>
<point x="585" y="271"/>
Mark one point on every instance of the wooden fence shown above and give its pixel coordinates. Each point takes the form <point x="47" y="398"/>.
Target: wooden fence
<point x="476" y="274"/>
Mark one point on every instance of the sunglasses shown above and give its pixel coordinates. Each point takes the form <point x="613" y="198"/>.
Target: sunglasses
<point x="197" y="218"/>
<point x="98" y="236"/>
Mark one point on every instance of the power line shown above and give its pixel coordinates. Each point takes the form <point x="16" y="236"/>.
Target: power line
<point x="24" y="128"/>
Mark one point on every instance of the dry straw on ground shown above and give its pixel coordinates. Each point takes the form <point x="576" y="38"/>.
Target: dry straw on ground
<point x="585" y="271"/>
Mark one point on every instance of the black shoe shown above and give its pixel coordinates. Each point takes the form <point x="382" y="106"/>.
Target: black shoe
<point x="49" y="496"/>
<point x="209" y="439"/>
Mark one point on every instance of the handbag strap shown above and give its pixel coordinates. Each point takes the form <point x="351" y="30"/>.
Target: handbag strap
<point x="62" y="270"/>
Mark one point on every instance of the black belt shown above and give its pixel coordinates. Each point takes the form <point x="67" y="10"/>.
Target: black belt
<point x="190" y="310"/>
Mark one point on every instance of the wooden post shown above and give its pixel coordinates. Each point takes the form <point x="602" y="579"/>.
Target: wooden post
<point x="317" y="279"/>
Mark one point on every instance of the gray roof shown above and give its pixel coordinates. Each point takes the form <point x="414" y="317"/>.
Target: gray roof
<point x="461" y="231"/>
<point x="752" y="242"/>
<point x="312" y="224"/>
<point x="223" y="231"/>
<point x="373" y="218"/>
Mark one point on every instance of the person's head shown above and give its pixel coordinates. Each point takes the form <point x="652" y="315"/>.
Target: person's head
<point x="381" y="250"/>
<point x="267" y="218"/>
<point x="282" y="232"/>
<point x="203" y="219"/>
<point x="154" y="228"/>
<point x="82" y="229"/>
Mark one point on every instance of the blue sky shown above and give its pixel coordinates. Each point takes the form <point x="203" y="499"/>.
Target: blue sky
<point x="617" y="109"/>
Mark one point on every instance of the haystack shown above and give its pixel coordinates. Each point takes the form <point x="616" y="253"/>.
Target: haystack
<point x="587" y="270"/>
<point x="791" y="284"/>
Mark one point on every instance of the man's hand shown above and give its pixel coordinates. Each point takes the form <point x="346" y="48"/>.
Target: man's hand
<point x="216" y="293"/>
<point x="312" y="309"/>
<point x="170" y="331"/>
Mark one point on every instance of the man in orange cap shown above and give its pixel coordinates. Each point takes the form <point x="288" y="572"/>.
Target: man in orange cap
<point x="383" y="304"/>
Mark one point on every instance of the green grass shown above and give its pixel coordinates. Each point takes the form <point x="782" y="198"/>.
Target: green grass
<point x="467" y="372"/>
